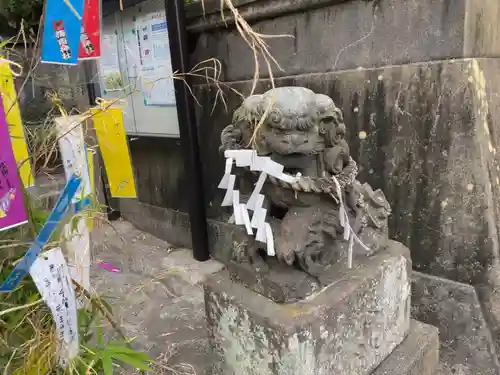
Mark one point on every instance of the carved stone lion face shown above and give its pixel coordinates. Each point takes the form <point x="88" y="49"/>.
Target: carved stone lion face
<point x="331" y="120"/>
<point x="296" y="121"/>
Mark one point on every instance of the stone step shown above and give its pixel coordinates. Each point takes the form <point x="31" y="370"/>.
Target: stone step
<point x="418" y="354"/>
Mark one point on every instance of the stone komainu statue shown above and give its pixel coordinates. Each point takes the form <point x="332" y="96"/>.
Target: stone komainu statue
<point x="305" y="132"/>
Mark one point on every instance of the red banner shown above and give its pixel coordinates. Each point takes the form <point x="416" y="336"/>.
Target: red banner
<point x="90" y="37"/>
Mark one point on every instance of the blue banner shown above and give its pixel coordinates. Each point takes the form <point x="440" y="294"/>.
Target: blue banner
<point x="57" y="214"/>
<point x="61" y="31"/>
<point x="80" y="205"/>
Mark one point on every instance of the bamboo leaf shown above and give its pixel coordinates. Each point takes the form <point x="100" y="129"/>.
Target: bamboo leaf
<point x="132" y="361"/>
<point x="107" y="364"/>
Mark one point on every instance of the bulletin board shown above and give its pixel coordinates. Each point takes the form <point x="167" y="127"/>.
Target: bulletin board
<point x="136" y="65"/>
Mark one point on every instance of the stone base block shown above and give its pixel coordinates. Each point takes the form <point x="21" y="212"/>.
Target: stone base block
<point x="418" y="354"/>
<point x="347" y="328"/>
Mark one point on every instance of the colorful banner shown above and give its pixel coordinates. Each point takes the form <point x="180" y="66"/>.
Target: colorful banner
<point x="51" y="276"/>
<point x="90" y="38"/>
<point x="76" y="233"/>
<point x="17" y="137"/>
<point x="112" y="141"/>
<point x="57" y="214"/>
<point x="62" y="31"/>
<point x="12" y="210"/>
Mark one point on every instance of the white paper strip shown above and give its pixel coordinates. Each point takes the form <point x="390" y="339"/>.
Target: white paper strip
<point x="261" y="234"/>
<point x="258" y="207"/>
<point x="265" y="164"/>
<point x="261" y="218"/>
<point x="347" y="230"/>
<point x="274" y="169"/>
<point x="227" y="172"/>
<point x="270" y="240"/>
<point x="287" y="178"/>
<point x="51" y="276"/>
<point x="261" y="227"/>
<point x="74" y="156"/>
<point x="259" y="163"/>
<point x="349" y="252"/>
<point x="244" y="158"/>
<point x="228" y="198"/>
<point x="251" y="204"/>
<point x="246" y="219"/>
<point x="240" y="215"/>
<point x="77" y="246"/>
<point x="238" y="219"/>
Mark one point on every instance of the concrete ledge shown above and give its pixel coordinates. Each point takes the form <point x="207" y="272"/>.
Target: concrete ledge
<point x="174" y="227"/>
<point x="418" y="354"/>
<point x="251" y="10"/>
<point x="454" y="308"/>
<point x="348" y="34"/>
<point x="167" y="224"/>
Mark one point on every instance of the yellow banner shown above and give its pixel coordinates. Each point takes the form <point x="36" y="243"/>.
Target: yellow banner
<point x="112" y="141"/>
<point x="15" y="124"/>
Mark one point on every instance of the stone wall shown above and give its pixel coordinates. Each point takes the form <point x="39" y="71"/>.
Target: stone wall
<point x="428" y="146"/>
<point x="339" y="35"/>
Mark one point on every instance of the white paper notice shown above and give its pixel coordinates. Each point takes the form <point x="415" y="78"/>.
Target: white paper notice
<point x="109" y="63"/>
<point x="156" y="66"/>
<point x="51" y="276"/>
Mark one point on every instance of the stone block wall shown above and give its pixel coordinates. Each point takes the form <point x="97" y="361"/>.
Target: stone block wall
<point x="332" y="35"/>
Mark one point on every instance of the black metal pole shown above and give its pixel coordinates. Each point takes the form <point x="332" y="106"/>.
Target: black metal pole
<point x="187" y="127"/>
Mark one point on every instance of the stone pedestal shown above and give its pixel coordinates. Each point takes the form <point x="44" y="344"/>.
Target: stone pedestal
<point x="349" y="327"/>
<point x="418" y="354"/>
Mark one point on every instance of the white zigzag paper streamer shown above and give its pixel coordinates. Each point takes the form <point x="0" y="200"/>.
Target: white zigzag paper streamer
<point x="264" y="164"/>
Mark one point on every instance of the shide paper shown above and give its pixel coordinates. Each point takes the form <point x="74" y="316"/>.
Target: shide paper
<point x="266" y="166"/>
